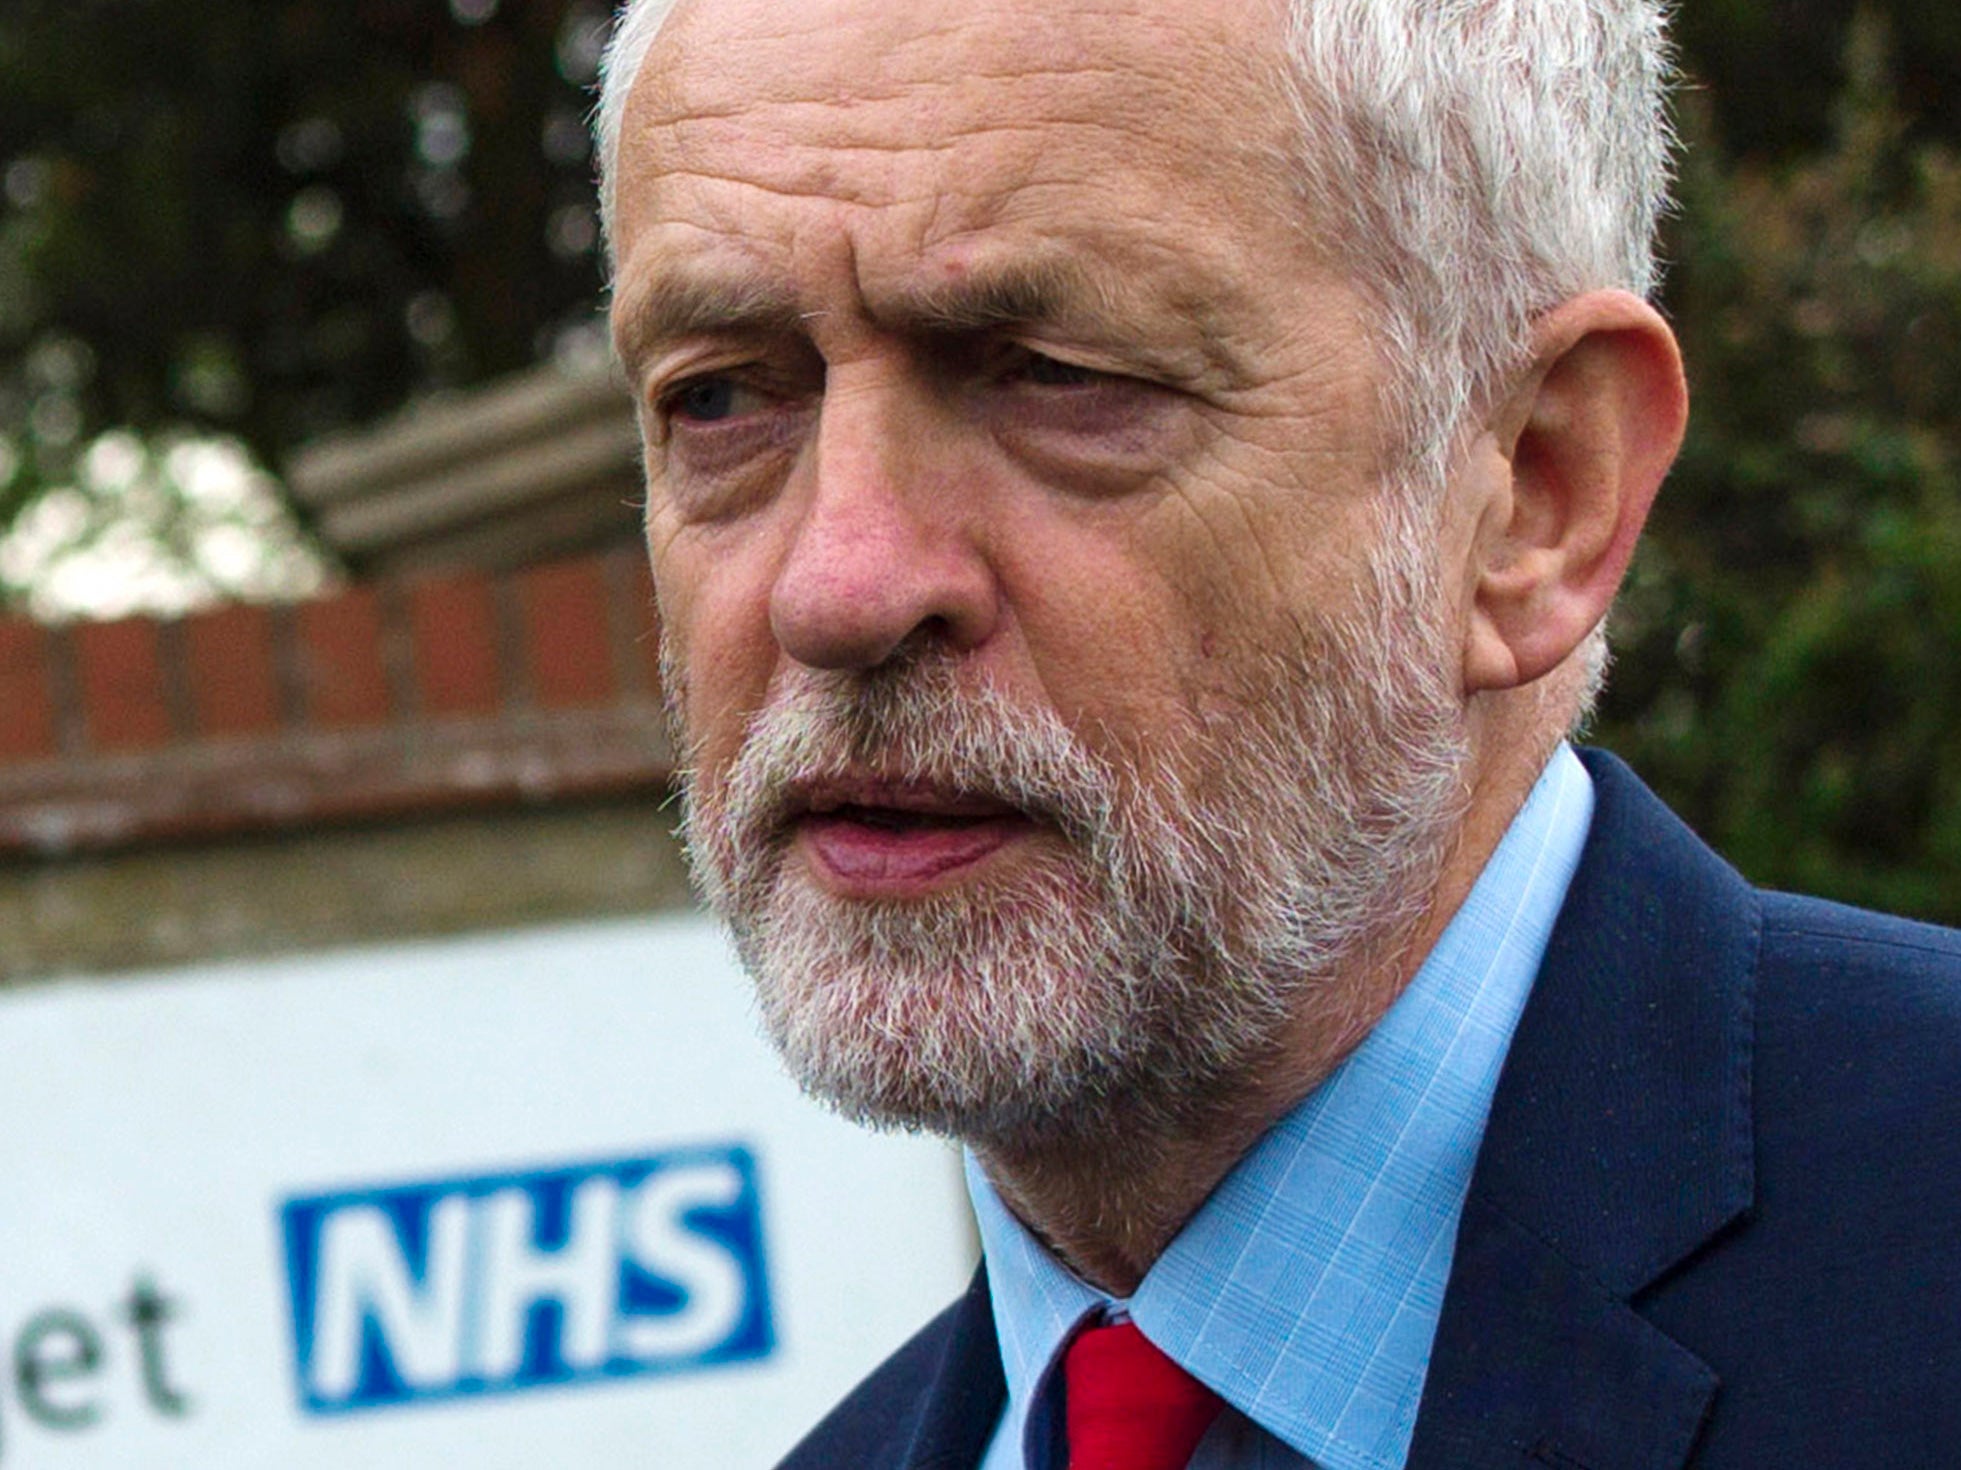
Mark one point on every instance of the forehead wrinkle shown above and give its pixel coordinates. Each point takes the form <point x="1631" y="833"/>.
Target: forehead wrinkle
<point x="935" y="88"/>
<point x="1166" y="307"/>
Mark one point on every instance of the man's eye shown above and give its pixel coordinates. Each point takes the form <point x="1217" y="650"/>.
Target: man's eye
<point x="1032" y="369"/>
<point x="711" y="400"/>
<point x="1049" y="372"/>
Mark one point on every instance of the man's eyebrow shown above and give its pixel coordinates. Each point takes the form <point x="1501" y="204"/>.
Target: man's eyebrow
<point x="686" y="304"/>
<point x="679" y="305"/>
<point x="1168" y="333"/>
<point x="988" y="297"/>
<point x="1163" y="327"/>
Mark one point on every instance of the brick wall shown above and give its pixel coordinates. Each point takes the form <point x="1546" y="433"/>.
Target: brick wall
<point x="442" y="693"/>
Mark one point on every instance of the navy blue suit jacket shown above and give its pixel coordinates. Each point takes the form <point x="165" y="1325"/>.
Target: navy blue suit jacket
<point x="1715" y="1221"/>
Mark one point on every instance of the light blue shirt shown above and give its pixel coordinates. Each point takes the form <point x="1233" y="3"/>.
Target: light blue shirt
<point x="1307" y="1288"/>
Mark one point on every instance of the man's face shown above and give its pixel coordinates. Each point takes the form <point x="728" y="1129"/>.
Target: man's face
<point x="1059" y="715"/>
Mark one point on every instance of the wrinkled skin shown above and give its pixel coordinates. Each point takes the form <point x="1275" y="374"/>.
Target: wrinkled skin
<point x="1094" y="536"/>
<point x="996" y="329"/>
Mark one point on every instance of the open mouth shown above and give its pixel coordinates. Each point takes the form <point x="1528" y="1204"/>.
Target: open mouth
<point x="886" y="840"/>
<point x="901" y="819"/>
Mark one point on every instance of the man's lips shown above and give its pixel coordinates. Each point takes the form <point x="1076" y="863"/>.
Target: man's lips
<point x="876" y="838"/>
<point x="901" y="798"/>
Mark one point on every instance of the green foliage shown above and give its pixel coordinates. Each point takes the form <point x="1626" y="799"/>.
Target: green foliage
<point x="1789" y="669"/>
<point x="1771" y="69"/>
<point x="264" y="219"/>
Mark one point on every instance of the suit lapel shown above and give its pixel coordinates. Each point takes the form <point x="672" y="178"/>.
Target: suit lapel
<point x="964" y="1397"/>
<point x="1619" y="1144"/>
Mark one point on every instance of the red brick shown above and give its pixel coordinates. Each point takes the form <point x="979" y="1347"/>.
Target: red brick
<point x="568" y="651"/>
<point x="453" y="621"/>
<point x="119" y="675"/>
<point x="27" y="711"/>
<point x="234" y="684"/>
<point x="341" y="667"/>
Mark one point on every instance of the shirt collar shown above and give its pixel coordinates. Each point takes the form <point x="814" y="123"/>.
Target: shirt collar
<point x="1307" y="1288"/>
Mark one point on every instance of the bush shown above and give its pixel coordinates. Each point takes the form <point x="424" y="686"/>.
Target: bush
<point x="1789" y="646"/>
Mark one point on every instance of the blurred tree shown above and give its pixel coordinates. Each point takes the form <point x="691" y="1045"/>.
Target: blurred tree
<point x="1789" y="666"/>
<point x="1771" y="70"/>
<point x="268" y="218"/>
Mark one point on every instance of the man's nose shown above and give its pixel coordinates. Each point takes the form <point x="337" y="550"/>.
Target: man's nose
<point x="883" y="550"/>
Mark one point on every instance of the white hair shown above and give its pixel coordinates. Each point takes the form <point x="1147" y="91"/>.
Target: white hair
<point x="1212" y="885"/>
<point x="1472" y="162"/>
<point x="634" y="30"/>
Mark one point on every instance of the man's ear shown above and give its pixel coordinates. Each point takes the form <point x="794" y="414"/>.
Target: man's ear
<point x="1581" y="448"/>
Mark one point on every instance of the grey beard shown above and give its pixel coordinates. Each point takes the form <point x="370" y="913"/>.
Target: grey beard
<point x="1204" y="893"/>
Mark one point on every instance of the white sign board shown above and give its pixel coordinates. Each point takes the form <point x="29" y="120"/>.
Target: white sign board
<point x="523" y="1200"/>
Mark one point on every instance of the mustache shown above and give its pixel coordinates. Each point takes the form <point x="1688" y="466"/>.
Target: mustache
<point x="916" y="722"/>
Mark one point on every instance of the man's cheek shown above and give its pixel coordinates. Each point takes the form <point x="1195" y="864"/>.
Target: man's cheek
<point x="718" y="713"/>
<point x="701" y="674"/>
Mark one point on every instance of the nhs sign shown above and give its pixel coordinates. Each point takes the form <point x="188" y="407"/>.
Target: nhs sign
<point x="500" y="1283"/>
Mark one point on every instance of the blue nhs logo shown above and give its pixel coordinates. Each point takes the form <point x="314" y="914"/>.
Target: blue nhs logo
<point x="502" y="1283"/>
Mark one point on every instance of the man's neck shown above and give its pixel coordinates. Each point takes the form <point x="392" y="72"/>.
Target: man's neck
<point x="1109" y="1197"/>
<point x="1108" y="1200"/>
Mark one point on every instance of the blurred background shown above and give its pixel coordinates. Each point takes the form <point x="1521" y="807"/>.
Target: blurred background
<point x="371" y="1080"/>
<point x="232" y="230"/>
<point x="238" y="226"/>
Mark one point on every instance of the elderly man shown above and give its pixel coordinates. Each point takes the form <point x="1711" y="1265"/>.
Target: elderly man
<point x="1134" y="486"/>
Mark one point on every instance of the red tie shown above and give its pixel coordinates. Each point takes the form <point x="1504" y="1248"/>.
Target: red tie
<point x="1130" y="1407"/>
